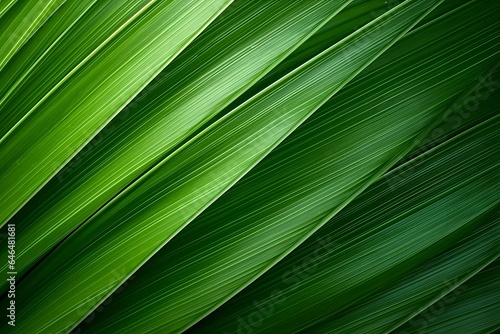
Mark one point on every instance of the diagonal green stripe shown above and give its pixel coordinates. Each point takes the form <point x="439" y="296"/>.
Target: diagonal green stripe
<point x="20" y="22"/>
<point x="150" y="212"/>
<point x="377" y="239"/>
<point x="64" y="122"/>
<point x="187" y="95"/>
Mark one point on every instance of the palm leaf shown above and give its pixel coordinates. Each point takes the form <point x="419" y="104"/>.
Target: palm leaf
<point x="164" y="200"/>
<point x="237" y="238"/>
<point x="384" y="310"/>
<point x="62" y="123"/>
<point x="165" y="115"/>
<point x="376" y="240"/>
<point x="20" y="23"/>
<point x="470" y="308"/>
<point x="387" y="309"/>
<point x="281" y="166"/>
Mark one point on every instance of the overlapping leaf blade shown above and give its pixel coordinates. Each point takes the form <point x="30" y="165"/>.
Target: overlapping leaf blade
<point x="186" y="95"/>
<point x="70" y="39"/>
<point x="248" y="227"/>
<point x="478" y="105"/>
<point x="64" y="121"/>
<point x="470" y="308"/>
<point x="20" y="22"/>
<point x="376" y="240"/>
<point x="165" y="199"/>
<point x="382" y="311"/>
<point x="355" y="15"/>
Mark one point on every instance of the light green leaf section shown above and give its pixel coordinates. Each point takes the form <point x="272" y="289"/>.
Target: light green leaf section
<point x="376" y="240"/>
<point x="470" y="308"/>
<point x="357" y="14"/>
<point x="20" y="22"/>
<point x="209" y="74"/>
<point x="66" y="42"/>
<point x="67" y="119"/>
<point x="142" y="219"/>
<point x="307" y="177"/>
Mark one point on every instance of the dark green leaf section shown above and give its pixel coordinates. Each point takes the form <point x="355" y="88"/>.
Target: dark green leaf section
<point x="67" y="117"/>
<point x="230" y="55"/>
<point x="385" y="233"/>
<point x="380" y="312"/>
<point x="471" y="308"/>
<point x="303" y="180"/>
<point x="143" y="218"/>
<point x="482" y="103"/>
<point x="5" y="6"/>
<point x="446" y="8"/>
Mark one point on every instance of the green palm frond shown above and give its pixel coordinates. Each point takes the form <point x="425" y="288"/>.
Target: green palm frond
<point x="234" y="166"/>
<point x="104" y="82"/>
<point x="300" y="177"/>
<point x="367" y="247"/>
<point x="175" y="105"/>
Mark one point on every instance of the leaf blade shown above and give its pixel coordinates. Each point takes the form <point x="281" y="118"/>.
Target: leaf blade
<point x="27" y="149"/>
<point x="130" y="146"/>
<point x="219" y="138"/>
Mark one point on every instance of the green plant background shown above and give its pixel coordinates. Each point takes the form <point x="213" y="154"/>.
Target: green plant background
<point x="236" y="166"/>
